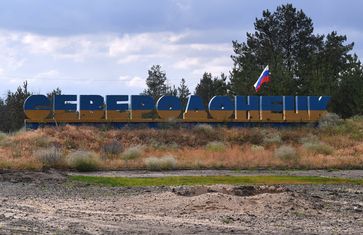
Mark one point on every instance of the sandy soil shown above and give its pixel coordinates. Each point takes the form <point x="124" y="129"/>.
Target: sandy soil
<point x="36" y="202"/>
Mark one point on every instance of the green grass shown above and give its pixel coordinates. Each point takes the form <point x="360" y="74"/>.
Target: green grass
<point x="209" y="180"/>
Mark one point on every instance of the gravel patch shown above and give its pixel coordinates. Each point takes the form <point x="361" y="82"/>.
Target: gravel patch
<point x="46" y="202"/>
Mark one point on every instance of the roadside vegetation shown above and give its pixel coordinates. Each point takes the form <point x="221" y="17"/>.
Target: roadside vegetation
<point x="334" y="144"/>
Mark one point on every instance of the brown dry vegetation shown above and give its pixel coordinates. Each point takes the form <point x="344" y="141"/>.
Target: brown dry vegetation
<point x="337" y="146"/>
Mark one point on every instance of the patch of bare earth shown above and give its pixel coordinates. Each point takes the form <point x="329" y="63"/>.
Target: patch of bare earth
<point x="48" y="203"/>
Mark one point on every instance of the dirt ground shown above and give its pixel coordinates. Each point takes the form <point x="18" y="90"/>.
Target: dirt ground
<point x="46" y="202"/>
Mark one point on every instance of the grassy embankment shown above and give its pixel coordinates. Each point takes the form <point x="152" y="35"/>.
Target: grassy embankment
<point x="210" y="180"/>
<point x="337" y="144"/>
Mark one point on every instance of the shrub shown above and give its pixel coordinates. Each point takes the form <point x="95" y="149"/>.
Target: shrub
<point x="254" y="136"/>
<point x="83" y="160"/>
<point x="163" y="163"/>
<point x="204" y="129"/>
<point x="286" y="153"/>
<point x="133" y="152"/>
<point x="3" y="136"/>
<point x="50" y="158"/>
<point x="272" y="138"/>
<point x="292" y="135"/>
<point x="70" y="143"/>
<point x="257" y="148"/>
<point x="357" y="118"/>
<point x="330" y="120"/>
<point x="112" y="148"/>
<point x="161" y="146"/>
<point x="309" y="139"/>
<point x="42" y="141"/>
<point x="216" y="146"/>
<point x="318" y="148"/>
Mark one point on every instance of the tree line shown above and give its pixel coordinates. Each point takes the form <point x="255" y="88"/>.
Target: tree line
<point x="301" y="63"/>
<point x="11" y="107"/>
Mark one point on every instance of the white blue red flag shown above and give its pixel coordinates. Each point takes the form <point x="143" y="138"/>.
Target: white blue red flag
<point x="264" y="78"/>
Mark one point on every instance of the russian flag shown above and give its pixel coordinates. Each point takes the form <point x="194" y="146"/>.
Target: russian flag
<point x="264" y="78"/>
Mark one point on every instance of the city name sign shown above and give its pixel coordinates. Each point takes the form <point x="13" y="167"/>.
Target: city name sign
<point x="141" y="108"/>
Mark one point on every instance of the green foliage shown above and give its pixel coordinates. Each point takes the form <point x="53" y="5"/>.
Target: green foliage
<point x="183" y="93"/>
<point x="156" y="83"/>
<point x="83" y="160"/>
<point x="11" y="109"/>
<point x="301" y="62"/>
<point x="210" y="180"/>
<point x="163" y="163"/>
<point x="53" y="93"/>
<point x="216" y="146"/>
<point x="348" y="99"/>
<point x="209" y="87"/>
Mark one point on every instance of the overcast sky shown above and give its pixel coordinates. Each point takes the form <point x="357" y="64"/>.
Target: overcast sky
<point x="107" y="46"/>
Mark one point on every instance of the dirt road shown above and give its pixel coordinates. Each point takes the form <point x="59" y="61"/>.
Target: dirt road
<point x="36" y="202"/>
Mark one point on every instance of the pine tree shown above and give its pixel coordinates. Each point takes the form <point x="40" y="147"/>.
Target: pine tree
<point x="171" y="91"/>
<point x="209" y="87"/>
<point x="183" y="92"/>
<point x="14" y="114"/>
<point x="285" y="41"/>
<point x="156" y="83"/>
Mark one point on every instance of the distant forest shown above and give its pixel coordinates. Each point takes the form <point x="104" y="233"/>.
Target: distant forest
<point x="301" y="63"/>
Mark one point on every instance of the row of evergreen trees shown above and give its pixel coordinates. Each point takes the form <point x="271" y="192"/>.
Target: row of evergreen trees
<point x="11" y="108"/>
<point x="301" y="63"/>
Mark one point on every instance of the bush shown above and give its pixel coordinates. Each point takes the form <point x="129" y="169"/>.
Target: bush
<point x="330" y="120"/>
<point x="286" y="153"/>
<point x="204" y="129"/>
<point x="3" y="136"/>
<point x="272" y="138"/>
<point x="318" y="148"/>
<point x="216" y="146"/>
<point x="257" y="148"/>
<point x="133" y="152"/>
<point x="83" y="160"/>
<point x="254" y="136"/>
<point x="309" y="139"/>
<point x="112" y="148"/>
<point x="163" y="163"/>
<point x="292" y="135"/>
<point x="161" y="146"/>
<point x="357" y="118"/>
<point x="50" y="158"/>
<point x="42" y="141"/>
<point x="70" y="143"/>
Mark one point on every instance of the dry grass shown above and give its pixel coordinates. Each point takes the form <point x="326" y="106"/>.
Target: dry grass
<point x="245" y="148"/>
<point x="163" y="163"/>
